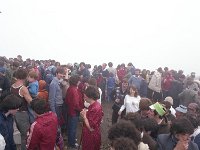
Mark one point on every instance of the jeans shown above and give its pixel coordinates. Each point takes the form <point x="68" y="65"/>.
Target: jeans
<point x="59" y="113"/>
<point x="71" y="130"/>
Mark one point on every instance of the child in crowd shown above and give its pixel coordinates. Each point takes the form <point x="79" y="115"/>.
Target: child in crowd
<point x="33" y="87"/>
<point x="33" y="84"/>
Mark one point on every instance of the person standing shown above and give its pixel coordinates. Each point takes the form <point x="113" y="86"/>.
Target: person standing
<point x="74" y="106"/>
<point x="131" y="101"/>
<point x="8" y="108"/>
<point x="118" y="97"/>
<point x="22" y="117"/>
<point x="55" y="93"/>
<point x="43" y="131"/>
<point x="91" y="134"/>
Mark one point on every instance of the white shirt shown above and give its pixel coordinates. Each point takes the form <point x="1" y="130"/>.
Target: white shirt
<point x="131" y="104"/>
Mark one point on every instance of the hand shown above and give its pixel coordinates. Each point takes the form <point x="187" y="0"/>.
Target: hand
<point x="117" y="100"/>
<point x="182" y="145"/>
<point x="119" y="113"/>
<point x="83" y="113"/>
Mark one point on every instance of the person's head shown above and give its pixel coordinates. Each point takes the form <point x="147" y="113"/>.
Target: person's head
<point x="123" y="143"/>
<point x="194" y="120"/>
<point x="11" y="104"/>
<point x="137" y="72"/>
<point x="104" y="65"/>
<point x="21" y="74"/>
<point x="180" y="111"/>
<point x="135" y="118"/>
<point x="157" y="111"/>
<point x="144" y="107"/>
<point x="132" y="90"/>
<point x="39" y="106"/>
<point x="91" y="94"/>
<point x="150" y="126"/>
<point x="32" y="76"/>
<point x="182" y="129"/>
<point x="125" y="83"/>
<point x="42" y="85"/>
<point x="73" y="80"/>
<point x="193" y="109"/>
<point x="167" y="106"/>
<point x="124" y="129"/>
<point x="82" y="65"/>
<point x="60" y="73"/>
<point x="169" y="99"/>
<point x="190" y="80"/>
<point x="15" y="64"/>
<point x="92" y="81"/>
<point x="110" y="64"/>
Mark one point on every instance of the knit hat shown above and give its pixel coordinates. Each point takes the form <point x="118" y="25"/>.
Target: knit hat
<point x="169" y="99"/>
<point x="182" y="109"/>
<point x="160" y="109"/>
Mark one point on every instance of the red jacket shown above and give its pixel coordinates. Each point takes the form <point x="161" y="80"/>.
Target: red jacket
<point x="73" y="101"/>
<point x="42" y="133"/>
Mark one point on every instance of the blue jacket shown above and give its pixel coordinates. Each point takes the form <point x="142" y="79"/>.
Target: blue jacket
<point x="33" y="88"/>
<point x="6" y="130"/>
<point x="55" y="94"/>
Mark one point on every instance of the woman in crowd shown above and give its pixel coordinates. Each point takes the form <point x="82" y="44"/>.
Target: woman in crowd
<point x="131" y="101"/>
<point x="91" y="134"/>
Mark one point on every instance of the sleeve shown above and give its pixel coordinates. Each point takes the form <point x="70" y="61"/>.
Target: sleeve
<point x="33" y="137"/>
<point x="33" y="89"/>
<point x="123" y="106"/>
<point x="52" y="95"/>
<point x="94" y="117"/>
<point x="77" y="100"/>
<point x="159" y="144"/>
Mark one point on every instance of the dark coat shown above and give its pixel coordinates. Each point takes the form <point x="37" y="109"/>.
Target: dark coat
<point x="6" y="130"/>
<point x="168" y="142"/>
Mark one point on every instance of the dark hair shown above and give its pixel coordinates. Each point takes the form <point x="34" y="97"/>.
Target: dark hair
<point x="21" y="74"/>
<point x="150" y="124"/>
<point x="193" y="119"/>
<point x="124" y="143"/>
<point x="10" y="102"/>
<point x="92" y="81"/>
<point x="60" y="70"/>
<point x="82" y="63"/>
<point x="135" y="118"/>
<point x="124" y="129"/>
<point x="134" y="88"/>
<point x="40" y="106"/>
<point x="110" y="64"/>
<point x="92" y="92"/>
<point x="182" y="125"/>
<point x="73" y="80"/>
<point x="144" y="104"/>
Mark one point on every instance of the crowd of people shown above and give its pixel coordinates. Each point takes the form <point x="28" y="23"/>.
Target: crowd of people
<point x="151" y="109"/>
